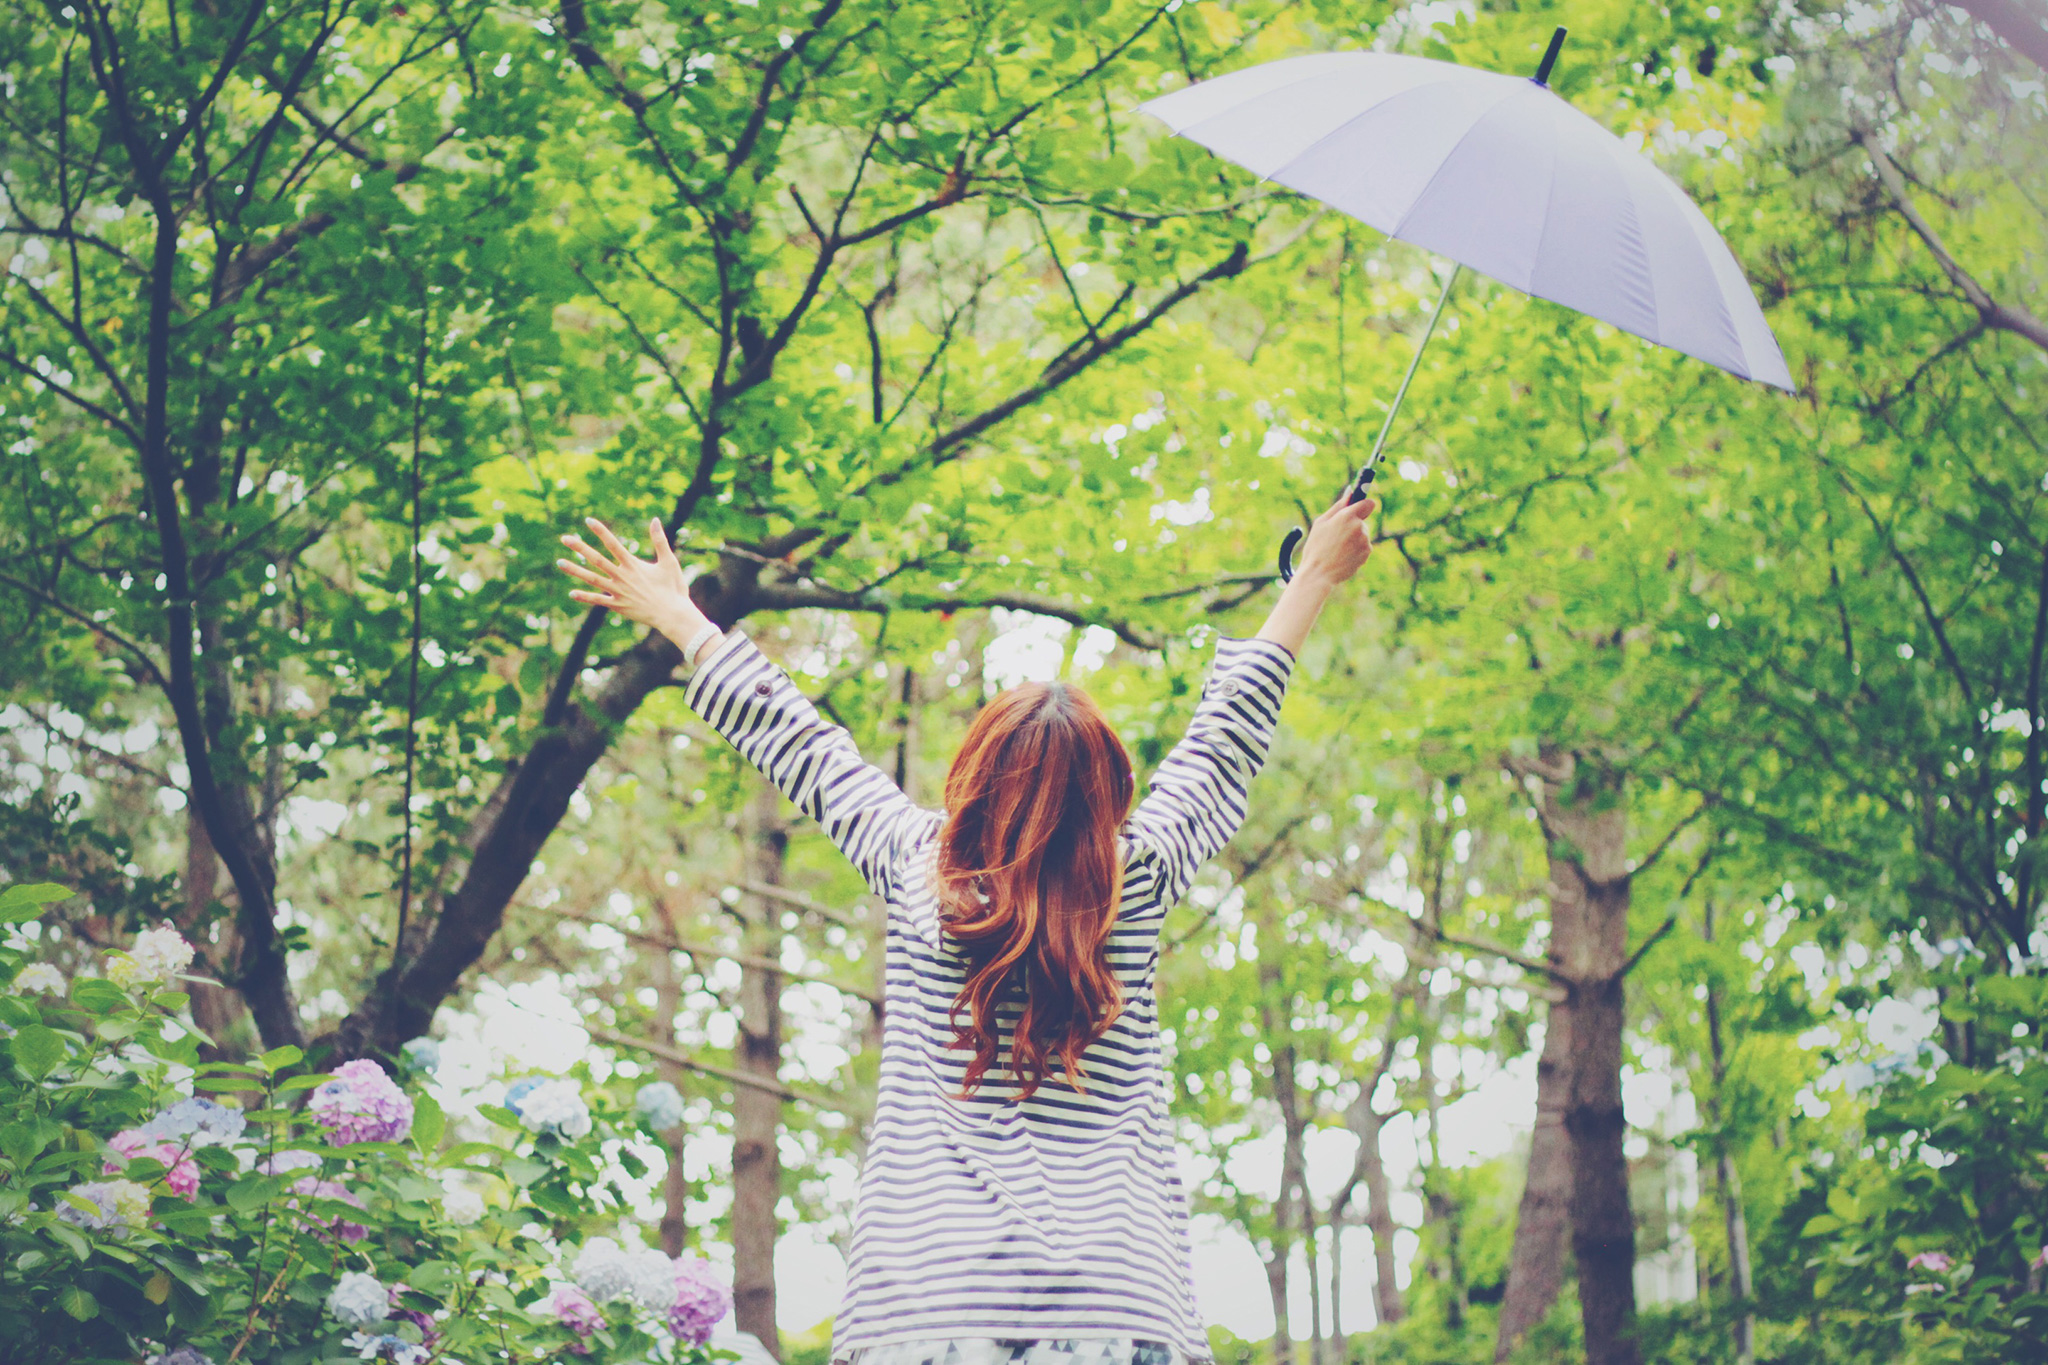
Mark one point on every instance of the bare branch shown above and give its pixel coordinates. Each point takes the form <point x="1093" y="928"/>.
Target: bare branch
<point x="724" y="1073"/>
<point x="1647" y="944"/>
<point x="1998" y="316"/>
<point x="846" y="919"/>
<point x="127" y="646"/>
<point x="788" y="596"/>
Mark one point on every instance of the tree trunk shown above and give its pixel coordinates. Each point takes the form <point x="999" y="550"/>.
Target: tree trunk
<point x="1276" y="1289"/>
<point x="1729" y="1180"/>
<point x="1293" y="1165"/>
<point x="757" y="1111"/>
<point x="1336" y="1226"/>
<point x="1536" y="1264"/>
<point x="1585" y="826"/>
<point x="1603" y="1223"/>
<point x="1440" y="1210"/>
<point x="675" y="1184"/>
<point x="1379" y="1216"/>
<point x="217" y="1011"/>
<point x="1312" y="1262"/>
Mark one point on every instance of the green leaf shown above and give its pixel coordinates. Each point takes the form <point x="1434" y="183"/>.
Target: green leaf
<point x="78" y="1303"/>
<point x="432" y="1277"/>
<point x="19" y="904"/>
<point x="38" y="1051"/>
<point x="428" y="1123"/>
<point x="556" y="1200"/>
<point x="72" y="1241"/>
<point x="20" y="1142"/>
<point x="253" y="1192"/>
<point x="522" y="1170"/>
<point x="99" y="995"/>
<point x="278" y="1058"/>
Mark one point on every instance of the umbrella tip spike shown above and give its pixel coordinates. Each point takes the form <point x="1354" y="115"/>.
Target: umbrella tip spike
<point x="1550" y="57"/>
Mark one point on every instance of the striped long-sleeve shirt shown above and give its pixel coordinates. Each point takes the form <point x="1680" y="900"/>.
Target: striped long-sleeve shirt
<point x="1062" y="1216"/>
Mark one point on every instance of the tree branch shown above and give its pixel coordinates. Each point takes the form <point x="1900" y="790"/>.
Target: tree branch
<point x="1996" y="315"/>
<point x="788" y="596"/>
<point x="686" y="1061"/>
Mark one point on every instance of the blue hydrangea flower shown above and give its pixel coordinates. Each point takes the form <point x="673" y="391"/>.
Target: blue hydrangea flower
<point x="660" y="1105"/>
<point x="516" y="1093"/>
<point x="359" y="1300"/>
<point x="198" y="1122"/>
<point x="421" y="1055"/>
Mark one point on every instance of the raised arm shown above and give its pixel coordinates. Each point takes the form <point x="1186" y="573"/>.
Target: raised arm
<point x="1199" y="794"/>
<point x="753" y="703"/>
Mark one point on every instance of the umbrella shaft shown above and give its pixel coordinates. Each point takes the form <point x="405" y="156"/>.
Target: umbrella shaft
<point x="1365" y="474"/>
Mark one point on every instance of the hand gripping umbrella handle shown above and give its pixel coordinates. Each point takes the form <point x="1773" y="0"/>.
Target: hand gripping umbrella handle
<point x="1356" y="493"/>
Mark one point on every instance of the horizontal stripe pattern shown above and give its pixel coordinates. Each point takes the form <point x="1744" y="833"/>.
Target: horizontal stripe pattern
<point x="1062" y="1216"/>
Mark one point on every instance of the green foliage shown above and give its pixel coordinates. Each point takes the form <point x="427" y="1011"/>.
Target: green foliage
<point x="233" y="1240"/>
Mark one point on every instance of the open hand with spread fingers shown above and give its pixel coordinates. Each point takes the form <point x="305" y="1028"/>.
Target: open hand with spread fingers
<point x="652" y="593"/>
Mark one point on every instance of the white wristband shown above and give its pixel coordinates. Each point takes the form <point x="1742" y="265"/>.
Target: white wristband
<point x="703" y="637"/>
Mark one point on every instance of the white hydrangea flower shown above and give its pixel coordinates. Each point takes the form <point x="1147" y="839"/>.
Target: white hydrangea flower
<point x="40" y="978"/>
<point x="359" y="1300"/>
<point x="600" y="1270"/>
<point x="159" y="953"/>
<point x="555" y="1107"/>
<point x="651" y="1279"/>
<point x="462" y="1206"/>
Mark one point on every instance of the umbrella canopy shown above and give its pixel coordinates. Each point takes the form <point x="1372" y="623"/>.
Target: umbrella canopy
<point x="1499" y="174"/>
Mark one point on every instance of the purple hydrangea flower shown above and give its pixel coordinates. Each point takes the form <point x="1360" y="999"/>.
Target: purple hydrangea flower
<point x="429" y="1333"/>
<point x="362" y="1104"/>
<point x="1936" y="1261"/>
<point x="702" y="1301"/>
<point x="310" y="1187"/>
<point x="293" y="1159"/>
<point x="574" y="1310"/>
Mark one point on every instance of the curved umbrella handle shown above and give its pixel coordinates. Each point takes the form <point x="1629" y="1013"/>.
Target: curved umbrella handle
<point x="1356" y="493"/>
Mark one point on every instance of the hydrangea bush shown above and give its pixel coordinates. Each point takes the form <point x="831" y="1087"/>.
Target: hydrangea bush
<point x="156" y="1207"/>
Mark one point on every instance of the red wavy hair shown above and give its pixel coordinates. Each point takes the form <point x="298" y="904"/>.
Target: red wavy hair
<point x="1029" y="880"/>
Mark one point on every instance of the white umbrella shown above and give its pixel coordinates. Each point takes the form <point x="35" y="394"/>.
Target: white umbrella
<point x="1499" y="174"/>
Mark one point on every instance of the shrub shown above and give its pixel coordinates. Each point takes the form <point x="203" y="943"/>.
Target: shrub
<point x="157" y="1206"/>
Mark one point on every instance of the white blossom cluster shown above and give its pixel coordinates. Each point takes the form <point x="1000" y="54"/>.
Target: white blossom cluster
<point x="462" y="1206"/>
<point x="600" y="1270"/>
<point x="160" y="953"/>
<point x="39" y="977"/>
<point x="556" y="1107"/>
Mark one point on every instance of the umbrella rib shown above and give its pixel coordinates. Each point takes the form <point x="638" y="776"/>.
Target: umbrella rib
<point x="1449" y="154"/>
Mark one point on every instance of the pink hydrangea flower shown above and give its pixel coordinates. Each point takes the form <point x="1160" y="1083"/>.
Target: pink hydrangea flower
<point x="702" y="1301"/>
<point x="574" y="1310"/>
<point x="2039" y="1262"/>
<point x="1936" y="1261"/>
<point x="312" y="1187"/>
<point x="362" y="1104"/>
<point x="181" y="1172"/>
